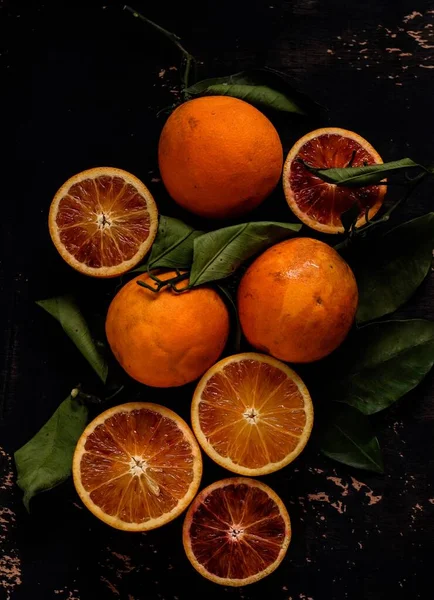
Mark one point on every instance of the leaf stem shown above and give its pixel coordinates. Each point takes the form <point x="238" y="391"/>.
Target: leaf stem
<point x="353" y="156"/>
<point x="175" y="39"/>
<point x="77" y="393"/>
<point x="186" y="75"/>
<point x="314" y="170"/>
<point x="161" y="283"/>
<point x="115" y="393"/>
<point x="415" y="182"/>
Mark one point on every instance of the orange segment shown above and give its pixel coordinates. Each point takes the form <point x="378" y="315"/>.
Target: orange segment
<point x="317" y="203"/>
<point x="252" y="414"/>
<point x="103" y="221"/>
<point x="137" y="466"/>
<point x="236" y="532"/>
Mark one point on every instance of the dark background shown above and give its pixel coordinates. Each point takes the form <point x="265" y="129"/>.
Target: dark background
<point x="81" y="88"/>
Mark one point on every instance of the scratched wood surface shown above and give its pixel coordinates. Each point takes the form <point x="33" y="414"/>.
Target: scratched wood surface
<point x="82" y="85"/>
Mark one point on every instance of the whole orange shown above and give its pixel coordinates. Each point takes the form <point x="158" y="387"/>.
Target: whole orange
<point x="219" y="157"/>
<point x="165" y="338"/>
<point x="298" y="300"/>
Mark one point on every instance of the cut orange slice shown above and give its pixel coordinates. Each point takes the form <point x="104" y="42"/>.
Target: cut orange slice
<point x="103" y="221"/>
<point x="137" y="466"/>
<point x="252" y="414"/>
<point x="236" y="532"/>
<point x="317" y="203"/>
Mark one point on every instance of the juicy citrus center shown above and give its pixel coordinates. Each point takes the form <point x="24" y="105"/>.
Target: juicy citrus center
<point x="237" y="531"/>
<point x="139" y="468"/>
<point x="137" y="465"/>
<point x="252" y="412"/>
<point x="102" y="221"/>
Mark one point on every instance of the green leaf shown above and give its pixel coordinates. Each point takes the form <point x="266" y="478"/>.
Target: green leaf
<point x="389" y="274"/>
<point x="235" y="331"/>
<point x="66" y="311"/>
<point x="350" y="216"/>
<point x="381" y="362"/>
<point x="361" y="176"/>
<point x="348" y="439"/>
<point x="264" y="87"/>
<point x="46" y="460"/>
<point x="173" y="245"/>
<point x="255" y="94"/>
<point x="219" y="253"/>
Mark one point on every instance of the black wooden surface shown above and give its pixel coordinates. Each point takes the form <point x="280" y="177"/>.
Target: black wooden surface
<point x="82" y="85"/>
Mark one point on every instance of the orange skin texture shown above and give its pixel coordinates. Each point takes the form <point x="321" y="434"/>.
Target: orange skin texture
<point x="166" y="339"/>
<point x="298" y="300"/>
<point x="219" y="157"/>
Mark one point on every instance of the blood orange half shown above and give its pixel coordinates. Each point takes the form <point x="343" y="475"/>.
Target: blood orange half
<point x="252" y="414"/>
<point x="103" y="221"/>
<point x="236" y="532"/>
<point x="317" y="203"/>
<point x="137" y="466"/>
